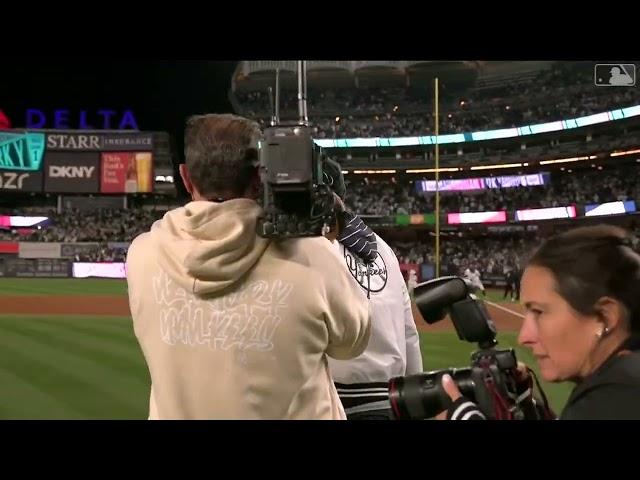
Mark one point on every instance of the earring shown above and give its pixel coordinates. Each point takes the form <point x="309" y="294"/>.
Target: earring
<point x="603" y="332"/>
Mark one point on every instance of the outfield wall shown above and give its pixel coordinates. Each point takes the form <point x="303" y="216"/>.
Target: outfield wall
<point x="15" y="267"/>
<point x="56" y="260"/>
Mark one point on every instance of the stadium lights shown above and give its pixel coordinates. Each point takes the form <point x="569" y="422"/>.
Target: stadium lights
<point x="162" y="178"/>
<point x="567" y="160"/>
<point x="489" y="167"/>
<point x="433" y="170"/>
<point x="626" y="152"/>
<point x="345" y="171"/>
<point x="374" y="171"/>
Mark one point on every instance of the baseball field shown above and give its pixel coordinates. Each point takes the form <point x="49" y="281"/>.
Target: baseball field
<point x="67" y="350"/>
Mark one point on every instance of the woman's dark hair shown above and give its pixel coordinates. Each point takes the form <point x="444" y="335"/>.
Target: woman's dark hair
<point x="593" y="262"/>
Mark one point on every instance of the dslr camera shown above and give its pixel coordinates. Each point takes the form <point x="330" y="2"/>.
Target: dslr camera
<point x="490" y="381"/>
<point x="297" y="202"/>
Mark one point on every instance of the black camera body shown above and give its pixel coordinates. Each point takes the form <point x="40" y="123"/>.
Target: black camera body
<point x="297" y="202"/>
<point x="490" y="381"/>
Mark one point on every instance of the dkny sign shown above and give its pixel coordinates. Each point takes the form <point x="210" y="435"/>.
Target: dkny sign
<point x="72" y="172"/>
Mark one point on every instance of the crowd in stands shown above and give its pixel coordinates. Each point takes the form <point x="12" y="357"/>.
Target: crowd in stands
<point x="74" y="226"/>
<point x="396" y="112"/>
<point x="558" y="80"/>
<point x="579" y="187"/>
<point x="113" y="225"/>
<point x="491" y="255"/>
<point x="102" y="253"/>
<point x="366" y="197"/>
<point x="467" y="120"/>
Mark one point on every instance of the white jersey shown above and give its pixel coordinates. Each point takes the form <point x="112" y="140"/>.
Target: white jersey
<point x="412" y="283"/>
<point x="472" y="275"/>
<point x="394" y="345"/>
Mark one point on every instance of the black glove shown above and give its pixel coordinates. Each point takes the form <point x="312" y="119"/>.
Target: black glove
<point x="357" y="237"/>
<point x="464" y="409"/>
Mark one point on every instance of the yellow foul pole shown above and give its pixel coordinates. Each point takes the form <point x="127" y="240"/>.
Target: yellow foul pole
<point x="437" y="212"/>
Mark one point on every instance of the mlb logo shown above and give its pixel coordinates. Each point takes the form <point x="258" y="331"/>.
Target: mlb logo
<point x="615" y="75"/>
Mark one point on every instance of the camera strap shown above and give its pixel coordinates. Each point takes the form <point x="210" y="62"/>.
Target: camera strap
<point x="501" y="409"/>
<point x="545" y="402"/>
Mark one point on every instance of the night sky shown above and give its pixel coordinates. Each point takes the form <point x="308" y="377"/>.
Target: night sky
<point x="162" y="94"/>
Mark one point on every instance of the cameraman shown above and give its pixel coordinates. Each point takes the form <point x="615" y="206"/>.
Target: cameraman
<point x="394" y="347"/>
<point x="234" y="326"/>
<point x="581" y="293"/>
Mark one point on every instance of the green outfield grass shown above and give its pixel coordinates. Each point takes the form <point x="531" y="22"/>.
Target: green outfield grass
<point x="86" y="367"/>
<point x="92" y="367"/>
<point x="98" y="286"/>
<point x="494" y="295"/>
<point x="61" y="286"/>
<point x="71" y="368"/>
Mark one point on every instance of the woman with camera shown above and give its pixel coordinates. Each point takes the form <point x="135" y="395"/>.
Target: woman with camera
<point x="581" y="291"/>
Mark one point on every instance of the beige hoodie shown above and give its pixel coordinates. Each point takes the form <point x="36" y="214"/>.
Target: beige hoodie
<point x="233" y="326"/>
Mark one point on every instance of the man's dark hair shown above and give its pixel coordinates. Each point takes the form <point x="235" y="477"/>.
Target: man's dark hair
<point x="593" y="262"/>
<point x="221" y="153"/>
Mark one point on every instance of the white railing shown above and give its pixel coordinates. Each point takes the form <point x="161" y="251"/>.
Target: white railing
<point x="249" y="67"/>
<point x="267" y="66"/>
<point x="338" y="65"/>
<point x="399" y="64"/>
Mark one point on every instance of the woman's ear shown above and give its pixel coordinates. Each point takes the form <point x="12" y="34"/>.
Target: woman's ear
<point x="612" y="313"/>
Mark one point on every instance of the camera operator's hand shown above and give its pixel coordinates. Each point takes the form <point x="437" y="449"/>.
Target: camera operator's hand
<point x="450" y="389"/>
<point x="535" y="407"/>
<point x="522" y="373"/>
<point x="461" y="408"/>
<point x="524" y="380"/>
<point x="338" y="203"/>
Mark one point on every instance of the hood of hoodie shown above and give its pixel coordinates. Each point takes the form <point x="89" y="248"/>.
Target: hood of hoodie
<point x="206" y="247"/>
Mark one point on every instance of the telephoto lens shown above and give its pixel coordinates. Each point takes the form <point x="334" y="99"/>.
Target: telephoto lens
<point x="421" y="396"/>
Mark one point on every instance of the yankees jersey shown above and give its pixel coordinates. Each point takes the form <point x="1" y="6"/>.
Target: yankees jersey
<point x="394" y="346"/>
<point x="472" y="275"/>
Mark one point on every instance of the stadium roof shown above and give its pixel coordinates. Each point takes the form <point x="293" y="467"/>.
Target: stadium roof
<point x="259" y="74"/>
